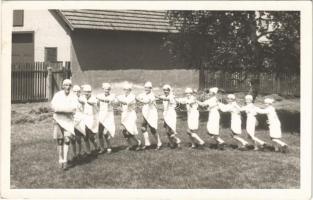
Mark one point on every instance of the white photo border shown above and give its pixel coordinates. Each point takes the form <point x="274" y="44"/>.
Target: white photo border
<point x="306" y="102"/>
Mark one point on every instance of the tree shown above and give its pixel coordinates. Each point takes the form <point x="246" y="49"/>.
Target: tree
<point x="232" y="40"/>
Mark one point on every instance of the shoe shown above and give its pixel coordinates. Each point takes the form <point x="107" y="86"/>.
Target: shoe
<point x="193" y="146"/>
<point x="61" y="165"/>
<point x="243" y="148"/>
<point x="158" y="148"/>
<point x="221" y="146"/>
<point x="65" y="166"/>
<point x="74" y="159"/>
<point x="138" y="148"/>
<point x="284" y="149"/>
<point x="277" y="149"/>
<point x="200" y="146"/>
<point x="250" y="146"/>
<point x="109" y="150"/>
<point x="101" y="151"/>
<point x="262" y="147"/>
<point x="145" y="147"/>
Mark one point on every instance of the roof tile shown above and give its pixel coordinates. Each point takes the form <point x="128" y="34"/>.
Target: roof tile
<point x="120" y="20"/>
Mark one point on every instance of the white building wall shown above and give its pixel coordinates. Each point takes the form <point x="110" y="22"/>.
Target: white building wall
<point x="47" y="33"/>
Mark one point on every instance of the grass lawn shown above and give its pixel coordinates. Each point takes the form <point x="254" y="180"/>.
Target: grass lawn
<point x="34" y="162"/>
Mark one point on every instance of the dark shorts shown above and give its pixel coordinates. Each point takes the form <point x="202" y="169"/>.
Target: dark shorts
<point x="169" y="131"/>
<point x="145" y="124"/>
<point x="78" y="133"/>
<point x="59" y="134"/>
<point x="89" y="133"/>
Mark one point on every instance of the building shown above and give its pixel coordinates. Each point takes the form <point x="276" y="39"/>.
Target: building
<point x="39" y="35"/>
<point x="102" y="45"/>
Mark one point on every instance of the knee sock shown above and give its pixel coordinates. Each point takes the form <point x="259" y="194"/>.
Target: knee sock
<point x="257" y="140"/>
<point x="146" y="138"/>
<point x="278" y="141"/>
<point x="219" y="140"/>
<point x="197" y="138"/>
<point x="158" y="139"/>
<point x="60" y="151"/>
<point x="65" y="152"/>
<point x="239" y="139"/>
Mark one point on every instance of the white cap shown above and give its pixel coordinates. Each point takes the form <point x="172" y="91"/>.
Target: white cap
<point x="148" y="84"/>
<point x="86" y="88"/>
<point x="127" y="86"/>
<point x="67" y="81"/>
<point x="76" y="88"/>
<point x="268" y="101"/>
<point x="213" y="90"/>
<point x="231" y="96"/>
<point x="106" y="86"/>
<point x="167" y="87"/>
<point x="248" y="97"/>
<point x="188" y="90"/>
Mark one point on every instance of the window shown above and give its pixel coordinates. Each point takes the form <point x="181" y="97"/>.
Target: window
<point x="18" y="17"/>
<point x="51" y="54"/>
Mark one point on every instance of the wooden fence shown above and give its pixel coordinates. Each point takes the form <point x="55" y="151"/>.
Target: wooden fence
<point x="37" y="81"/>
<point x="269" y="83"/>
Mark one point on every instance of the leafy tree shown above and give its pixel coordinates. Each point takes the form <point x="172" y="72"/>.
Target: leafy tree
<point x="232" y="40"/>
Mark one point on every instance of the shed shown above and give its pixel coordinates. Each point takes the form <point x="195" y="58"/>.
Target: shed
<point x="124" y="45"/>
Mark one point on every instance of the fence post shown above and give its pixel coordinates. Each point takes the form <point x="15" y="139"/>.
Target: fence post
<point x="49" y="83"/>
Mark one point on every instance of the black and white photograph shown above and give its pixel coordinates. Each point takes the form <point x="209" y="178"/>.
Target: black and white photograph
<point x="102" y="97"/>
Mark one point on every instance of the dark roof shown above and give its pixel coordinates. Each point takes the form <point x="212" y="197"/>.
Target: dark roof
<point x="120" y="20"/>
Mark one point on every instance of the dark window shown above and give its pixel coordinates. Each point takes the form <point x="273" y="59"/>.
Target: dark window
<point x="51" y="54"/>
<point x="22" y="48"/>
<point x="22" y="38"/>
<point x="18" y="17"/>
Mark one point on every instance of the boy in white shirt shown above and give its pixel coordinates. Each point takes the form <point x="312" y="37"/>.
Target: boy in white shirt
<point x="251" y="111"/>
<point x="106" y="117"/>
<point x="90" y="110"/>
<point x="78" y="121"/>
<point x="213" y="125"/>
<point x="235" y="125"/>
<point x="169" y="115"/>
<point x="129" y="117"/>
<point x="192" y="117"/>
<point x="150" y="116"/>
<point x="274" y="125"/>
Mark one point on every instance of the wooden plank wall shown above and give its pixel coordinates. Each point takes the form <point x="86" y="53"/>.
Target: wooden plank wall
<point x="29" y="80"/>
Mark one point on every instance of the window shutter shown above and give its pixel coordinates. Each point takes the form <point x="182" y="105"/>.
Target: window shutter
<point x="18" y="17"/>
<point x="51" y="54"/>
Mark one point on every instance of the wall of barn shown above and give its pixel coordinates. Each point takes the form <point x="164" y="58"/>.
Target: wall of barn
<point x="107" y="56"/>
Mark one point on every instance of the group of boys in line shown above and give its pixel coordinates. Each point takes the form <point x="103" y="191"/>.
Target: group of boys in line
<point x="78" y="114"/>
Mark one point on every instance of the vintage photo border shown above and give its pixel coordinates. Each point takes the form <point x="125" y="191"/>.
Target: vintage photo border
<point x="306" y="103"/>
